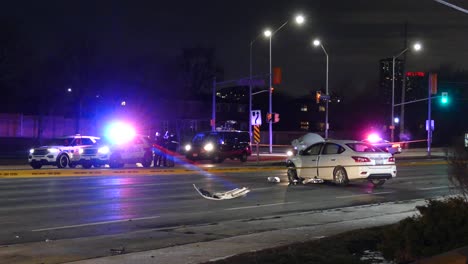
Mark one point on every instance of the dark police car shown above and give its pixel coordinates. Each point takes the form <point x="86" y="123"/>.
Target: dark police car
<point x="219" y="145"/>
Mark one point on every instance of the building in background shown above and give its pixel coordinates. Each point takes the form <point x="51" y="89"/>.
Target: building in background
<point x="386" y="74"/>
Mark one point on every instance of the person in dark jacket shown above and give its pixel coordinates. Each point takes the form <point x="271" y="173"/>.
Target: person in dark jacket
<point x="158" y="150"/>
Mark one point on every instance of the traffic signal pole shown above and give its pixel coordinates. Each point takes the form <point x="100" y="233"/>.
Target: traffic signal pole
<point x="429" y="122"/>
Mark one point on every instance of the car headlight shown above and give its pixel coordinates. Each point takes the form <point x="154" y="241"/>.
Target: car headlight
<point x="208" y="147"/>
<point x="31" y="151"/>
<point x="188" y="147"/>
<point x="80" y="151"/>
<point x="289" y="153"/>
<point x="53" y="150"/>
<point x="103" y="150"/>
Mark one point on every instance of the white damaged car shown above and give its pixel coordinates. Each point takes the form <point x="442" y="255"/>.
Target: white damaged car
<point x="341" y="161"/>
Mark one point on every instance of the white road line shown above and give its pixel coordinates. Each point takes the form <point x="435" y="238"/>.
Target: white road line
<point x="358" y="195"/>
<point x="257" y="206"/>
<point x="433" y="188"/>
<point x="95" y="223"/>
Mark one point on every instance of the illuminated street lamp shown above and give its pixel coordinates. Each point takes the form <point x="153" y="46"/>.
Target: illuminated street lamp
<point x="299" y="19"/>
<point x="69" y="90"/>
<point x="316" y="44"/>
<point x="416" y="47"/>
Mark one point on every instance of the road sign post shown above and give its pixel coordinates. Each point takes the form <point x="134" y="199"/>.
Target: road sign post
<point x="256" y="137"/>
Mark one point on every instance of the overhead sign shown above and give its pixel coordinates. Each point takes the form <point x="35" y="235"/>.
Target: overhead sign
<point x="256" y="118"/>
<point x="253" y="82"/>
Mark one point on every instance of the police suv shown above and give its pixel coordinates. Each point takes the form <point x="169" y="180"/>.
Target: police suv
<point x="137" y="150"/>
<point x="60" y="152"/>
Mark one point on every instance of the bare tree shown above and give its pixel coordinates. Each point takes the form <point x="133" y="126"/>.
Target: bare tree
<point x="199" y="69"/>
<point x="458" y="165"/>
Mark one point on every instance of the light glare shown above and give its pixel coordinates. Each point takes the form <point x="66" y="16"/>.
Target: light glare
<point x="417" y="47"/>
<point x="120" y="133"/>
<point x="267" y="33"/>
<point x="373" y="138"/>
<point x="104" y="150"/>
<point x="316" y="42"/>
<point x="300" y="19"/>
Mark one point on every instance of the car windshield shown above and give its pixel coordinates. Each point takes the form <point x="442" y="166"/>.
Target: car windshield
<point x="59" y="141"/>
<point x="363" y="147"/>
<point x="204" y="137"/>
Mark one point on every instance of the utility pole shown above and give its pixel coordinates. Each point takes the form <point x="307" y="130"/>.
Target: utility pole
<point x="403" y="83"/>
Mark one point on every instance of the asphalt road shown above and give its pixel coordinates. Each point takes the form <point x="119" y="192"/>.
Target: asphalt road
<point x="141" y="212"/>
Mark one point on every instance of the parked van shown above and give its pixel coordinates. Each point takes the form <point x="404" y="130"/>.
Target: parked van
<point x="219" y="145"/>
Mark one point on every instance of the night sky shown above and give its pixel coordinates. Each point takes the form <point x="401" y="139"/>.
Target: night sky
<point x="356" y="34"/>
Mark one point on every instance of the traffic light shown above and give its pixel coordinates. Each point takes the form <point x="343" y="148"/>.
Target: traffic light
<point x="444" y="99"/>
<point x="276" y="118"/>
<point x="318" y="94"/>
<point x="268" y="117"/>
<point x="276" y="75"/>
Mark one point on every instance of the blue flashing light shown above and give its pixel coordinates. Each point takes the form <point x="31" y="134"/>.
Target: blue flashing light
<point x="120" y="133"/>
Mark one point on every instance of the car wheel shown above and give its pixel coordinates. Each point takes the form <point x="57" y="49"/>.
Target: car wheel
<point x="340" y="177"/>
<point x="35" y="165"/>
<point x="243" y="157"/>
<point x="63" y="161"/>
<point x="147" y="159"/>
<point x="292" y="175"/>
<point x="115" y="161"/>
<point x="87" y="165"/>
<point x="377" y="183"/>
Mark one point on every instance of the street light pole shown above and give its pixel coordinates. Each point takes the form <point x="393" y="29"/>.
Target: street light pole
<point x="317" y="43"/>
<point x="250" y="94"/>
<point x="299" y="20"/>
<point x="416" y="47"/>
<point x="270" y="108"/>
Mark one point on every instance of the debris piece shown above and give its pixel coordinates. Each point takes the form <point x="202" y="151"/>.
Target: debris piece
<point x="117" y="251"/>
<point x="222" y="195"/>
<point x="312" y="180"/>
<point x="274" y="179"/>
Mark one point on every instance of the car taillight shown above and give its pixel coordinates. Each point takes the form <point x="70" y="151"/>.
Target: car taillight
<point x="360" y="159"/>
<point x="391" y="159"/>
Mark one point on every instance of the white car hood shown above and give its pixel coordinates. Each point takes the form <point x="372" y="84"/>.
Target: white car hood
<point x="306" y="140"/>
<point x="52" y="146"/>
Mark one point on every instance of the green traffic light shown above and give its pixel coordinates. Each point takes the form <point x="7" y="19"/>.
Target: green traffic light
<point x="444" y="99"/>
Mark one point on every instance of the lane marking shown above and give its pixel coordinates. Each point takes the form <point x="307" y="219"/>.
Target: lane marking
<point x="433" y="188"/>
<point x="365" y="194"/>
<point x="96" y="223"/>
<point x="257" y="206"/>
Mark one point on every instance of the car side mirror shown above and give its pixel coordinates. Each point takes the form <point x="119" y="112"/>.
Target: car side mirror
<point x="301" y="152"/>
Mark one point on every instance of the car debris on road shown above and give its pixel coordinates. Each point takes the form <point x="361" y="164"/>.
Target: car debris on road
<point x="235" y="193"/>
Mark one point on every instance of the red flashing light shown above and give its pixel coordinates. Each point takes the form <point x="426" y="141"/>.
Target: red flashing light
<point x="391" y="159"/>
<point x="360" y="159"/>
<point x="373" y="138"/>
<point x="415" y="74"/>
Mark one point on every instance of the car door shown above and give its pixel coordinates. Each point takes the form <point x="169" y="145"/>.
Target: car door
<point x="309" y="158"/>
<point x="329" y="158"/>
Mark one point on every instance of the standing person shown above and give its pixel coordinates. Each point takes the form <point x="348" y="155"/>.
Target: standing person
<point x="165" y="144"/>
<point x="157" y="148"/>
<point x="172" y="149"/>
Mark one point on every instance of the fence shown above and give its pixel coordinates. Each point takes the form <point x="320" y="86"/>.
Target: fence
<point x="29" y="126"/>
